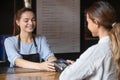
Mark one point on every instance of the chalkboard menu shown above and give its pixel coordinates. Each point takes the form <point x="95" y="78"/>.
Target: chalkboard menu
<point x="59" y="21"/>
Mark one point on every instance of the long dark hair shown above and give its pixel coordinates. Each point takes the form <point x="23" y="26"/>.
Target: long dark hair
<point x="103" y="12"/>
<point x="17" y="17"/>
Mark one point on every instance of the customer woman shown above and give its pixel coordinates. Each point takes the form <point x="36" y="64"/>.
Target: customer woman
<point x="96" y="63"/>
<point x="25" y="49"/>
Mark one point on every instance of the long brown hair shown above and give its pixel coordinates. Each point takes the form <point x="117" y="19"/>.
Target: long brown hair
<point x="103" y="12"/>
<point x="115" y="37"/>
<point x="17" y="17"/>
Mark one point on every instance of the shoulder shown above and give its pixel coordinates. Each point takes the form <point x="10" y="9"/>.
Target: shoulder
<point x="89" y="52"/>
<point x="97" y="50"/>
<point x="92" y="48"/>
<point x="10" y="38"/>
<point x="39" y="37"/>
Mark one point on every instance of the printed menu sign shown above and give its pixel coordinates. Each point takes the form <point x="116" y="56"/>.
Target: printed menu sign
<point x="59" y="21"/>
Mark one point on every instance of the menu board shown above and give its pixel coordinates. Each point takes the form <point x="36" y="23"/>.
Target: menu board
<point x="59" y="21"/>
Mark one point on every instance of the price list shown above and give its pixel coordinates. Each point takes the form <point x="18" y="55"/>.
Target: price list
<point x="59" y="21"/>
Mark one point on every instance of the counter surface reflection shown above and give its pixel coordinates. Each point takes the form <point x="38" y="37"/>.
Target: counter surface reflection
<point x="27" y="74"/>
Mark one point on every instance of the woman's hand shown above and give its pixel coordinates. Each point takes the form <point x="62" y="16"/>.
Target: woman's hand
<point x="47" y="66"/>
<point x="70" y="61"/>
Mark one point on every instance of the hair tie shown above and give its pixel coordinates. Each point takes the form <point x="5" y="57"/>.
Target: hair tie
<point x="114" y="24"/>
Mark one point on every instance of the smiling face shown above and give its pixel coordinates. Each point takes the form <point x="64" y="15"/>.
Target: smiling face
<point x="92" y="26"/>
<point x="27" y="22"/>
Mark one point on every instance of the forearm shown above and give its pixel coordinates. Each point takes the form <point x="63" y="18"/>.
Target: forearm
<point x="26" y="64"/>
<point x="47" y="66"/>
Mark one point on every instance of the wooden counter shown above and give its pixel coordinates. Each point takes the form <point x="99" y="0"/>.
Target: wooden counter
<point x="27" y="74"/>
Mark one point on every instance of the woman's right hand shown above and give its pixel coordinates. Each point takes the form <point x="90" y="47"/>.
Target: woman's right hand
<point x="47" y="66"/>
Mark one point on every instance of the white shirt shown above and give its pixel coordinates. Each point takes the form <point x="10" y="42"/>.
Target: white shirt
<point x="95" y="63"/>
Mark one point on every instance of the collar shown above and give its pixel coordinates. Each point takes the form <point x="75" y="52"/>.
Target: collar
<point x="104" y="39"/>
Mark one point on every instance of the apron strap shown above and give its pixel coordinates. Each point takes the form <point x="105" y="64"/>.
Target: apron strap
<point x="19" y="45"/>
<point x="31" y="57"/>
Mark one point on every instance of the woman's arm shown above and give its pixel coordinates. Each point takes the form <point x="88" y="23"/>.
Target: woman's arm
<point x="47" y="66"/>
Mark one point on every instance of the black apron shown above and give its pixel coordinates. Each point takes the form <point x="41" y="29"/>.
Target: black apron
<point x="31" y="57"/>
